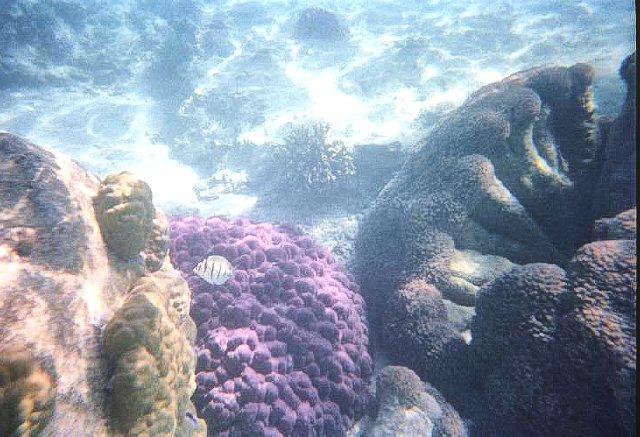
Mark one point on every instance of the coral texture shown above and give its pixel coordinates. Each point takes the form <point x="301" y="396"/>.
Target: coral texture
<point x="282" y="345"/>
<point x="508" y="179"/>
<point x="620" y="227"/>
<point x="556" y="350"/>
<point x="616" y="187"/>
<point x="27" y="393"/>
<point x="408" y="407"/>
<point x="417" y="333"/>
<point x="60" y="284"/>
<point x="308" y="163"/>
<point x="319" y="24"/>
<point x="153" y="359"/>
<point x="124" y="208"/>
<point x="503" y="175"/>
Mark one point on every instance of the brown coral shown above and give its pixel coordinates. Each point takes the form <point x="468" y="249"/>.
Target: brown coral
<point x="615" y="190"/>
<point x="555" y="351"/>
<point x="417" y="333"/>
<point x="125" y="211"/>
<point x="27" y="393"/>
<point x="153" y="361"/>
<point x="409" y="407"/>
<point x="620" y="227"/>
<point x="157" y="245"/>
<point x="59" y="286"/>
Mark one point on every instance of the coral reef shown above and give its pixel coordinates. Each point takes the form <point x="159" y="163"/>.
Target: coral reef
<point x="61" y="283"/>
<point x="508" y="179"/>
<point x="319" y="24"/>
<point x="124" y="207"/>
<point x="616" y="159"/>
<point x="556" y="349"/>
<point x="416" y="332"/>
<point x="152" y="358"/>
<point x="282" y="345"/>
<point x="308" y="163"/>
<point x="480" y="186"/>
<point x="408" y="407"/>
<point x="27" y="393"/>
<point x="620" y="227"/>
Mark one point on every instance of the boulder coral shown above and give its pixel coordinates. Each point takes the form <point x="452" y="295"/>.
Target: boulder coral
<point x="282" y="345"/>
<point x="495" y="211"/>
<point x="408" y="407"/>
<point x="620" y="227"/>
<point x="62" y="280"/>
<point x="124" y="207"/>
<point x="556" y="349"/>
<point x="502" y="175"/>
<point x="417" y="333"/>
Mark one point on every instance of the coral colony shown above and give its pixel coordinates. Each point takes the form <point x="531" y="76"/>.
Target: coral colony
<point x="282" y="345"/>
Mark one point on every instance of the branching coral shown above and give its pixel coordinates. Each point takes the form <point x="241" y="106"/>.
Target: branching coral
<point x="308" y="162"/>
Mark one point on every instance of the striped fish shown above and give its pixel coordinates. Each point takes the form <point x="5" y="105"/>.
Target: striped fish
<point x="214" y="269"/>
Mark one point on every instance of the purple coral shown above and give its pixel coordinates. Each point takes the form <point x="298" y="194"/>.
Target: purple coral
<point x="282" y="345"/>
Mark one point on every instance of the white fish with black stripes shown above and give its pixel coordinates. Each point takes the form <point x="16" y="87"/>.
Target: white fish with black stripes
<point x="214" y="269"/>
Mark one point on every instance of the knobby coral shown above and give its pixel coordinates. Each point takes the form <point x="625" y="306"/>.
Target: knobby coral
<point x="152" y="358"/>
<point x="282" y="345"/>
<point x="63" y="276"/>
<point x="409" y="407"/>
<point x="125" y="210"/>
<point x="504" y="175"/>
<point x="552" y="347"/>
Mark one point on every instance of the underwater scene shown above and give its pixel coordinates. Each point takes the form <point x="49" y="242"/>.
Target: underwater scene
<point x="380" y="218"/>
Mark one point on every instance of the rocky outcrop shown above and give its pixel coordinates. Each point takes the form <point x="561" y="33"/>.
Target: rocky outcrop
<point x="65" y="274"/>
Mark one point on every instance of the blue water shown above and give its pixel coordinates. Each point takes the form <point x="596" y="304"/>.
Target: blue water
<point x="145" y="85"/>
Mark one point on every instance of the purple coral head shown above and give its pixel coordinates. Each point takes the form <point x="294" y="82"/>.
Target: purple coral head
<point x="284" y="341"/>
